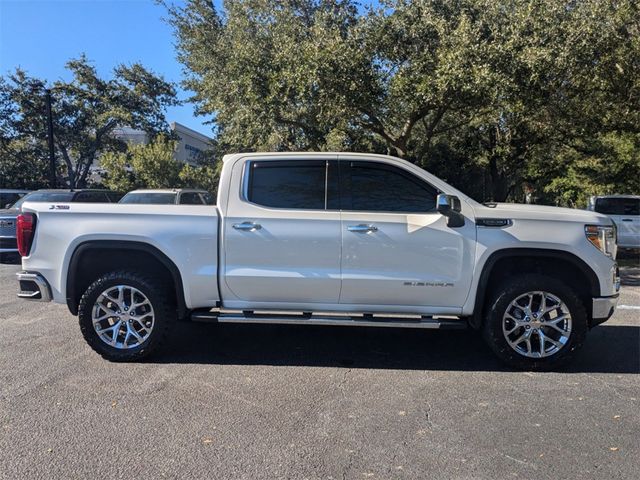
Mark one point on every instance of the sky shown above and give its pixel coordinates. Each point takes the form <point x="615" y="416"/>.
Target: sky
<point x="40" y="36"/>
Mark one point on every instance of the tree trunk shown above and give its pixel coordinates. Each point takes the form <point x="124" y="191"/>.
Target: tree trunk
<point x="69" y="165"/>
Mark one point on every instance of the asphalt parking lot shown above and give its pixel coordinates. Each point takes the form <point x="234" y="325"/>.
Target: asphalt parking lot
<point x="254" y="402"/>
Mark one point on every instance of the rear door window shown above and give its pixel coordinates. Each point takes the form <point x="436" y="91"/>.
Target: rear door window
<point x="288" y="184"/>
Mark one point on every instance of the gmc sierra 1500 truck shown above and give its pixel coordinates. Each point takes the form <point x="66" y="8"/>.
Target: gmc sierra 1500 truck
<point x="326" y="239"/>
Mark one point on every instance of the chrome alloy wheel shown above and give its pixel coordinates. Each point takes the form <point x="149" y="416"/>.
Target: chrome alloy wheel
<point x="123" y="317"/>
<point x="537" y="324"/>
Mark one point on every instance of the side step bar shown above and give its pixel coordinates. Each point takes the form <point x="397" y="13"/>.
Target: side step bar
<point x="335" y="320"/>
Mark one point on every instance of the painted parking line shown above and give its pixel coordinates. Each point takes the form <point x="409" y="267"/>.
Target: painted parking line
<point x="629" y="307"/>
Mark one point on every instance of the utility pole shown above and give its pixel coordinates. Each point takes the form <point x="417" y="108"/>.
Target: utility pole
<point x="52" y="158"/>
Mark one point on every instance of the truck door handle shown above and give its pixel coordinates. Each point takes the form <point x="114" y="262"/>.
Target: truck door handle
<point x="362" y="228"/>
<point x="247" y="226"/>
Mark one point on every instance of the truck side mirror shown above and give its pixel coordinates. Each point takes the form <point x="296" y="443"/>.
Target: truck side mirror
<point x="450" y="207"/>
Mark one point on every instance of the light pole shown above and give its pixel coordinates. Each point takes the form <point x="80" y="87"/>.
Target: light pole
<point x="52" y="157"/>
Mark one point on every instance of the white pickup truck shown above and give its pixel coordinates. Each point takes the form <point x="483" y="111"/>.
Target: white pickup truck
<point x="326" y="239"/>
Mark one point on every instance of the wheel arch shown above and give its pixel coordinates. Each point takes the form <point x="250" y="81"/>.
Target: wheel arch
<point x="500" y="264"/>
<point x="157" y="261"/>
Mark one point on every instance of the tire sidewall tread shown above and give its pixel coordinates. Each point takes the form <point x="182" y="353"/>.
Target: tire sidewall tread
<point x="510" y="289"/>
<point x="156" y="292"/>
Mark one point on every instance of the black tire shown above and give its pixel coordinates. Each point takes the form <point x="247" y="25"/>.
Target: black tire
<point x="158" y="295"/>
<point x="511" y="289"/>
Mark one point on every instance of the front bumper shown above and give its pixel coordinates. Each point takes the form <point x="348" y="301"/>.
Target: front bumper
<point x="33" y="286"/>
<point x="602" y="309"/>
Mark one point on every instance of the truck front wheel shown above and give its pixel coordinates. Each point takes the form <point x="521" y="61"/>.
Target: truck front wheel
<point x="125" y="316"/>
<point x="535" y="322"/>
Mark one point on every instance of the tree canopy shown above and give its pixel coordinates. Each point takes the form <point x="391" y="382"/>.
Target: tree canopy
<point x="87" y="111"/>
<point x="494" y="97"/>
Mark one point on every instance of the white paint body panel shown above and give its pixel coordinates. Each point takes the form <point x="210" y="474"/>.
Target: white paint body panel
<point x="413" y="259"/>
<point x="187" y="235"/>
<point x="308" y="260"/>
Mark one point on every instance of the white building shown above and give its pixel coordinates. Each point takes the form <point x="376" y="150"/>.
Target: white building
<point x="190" y="142"/>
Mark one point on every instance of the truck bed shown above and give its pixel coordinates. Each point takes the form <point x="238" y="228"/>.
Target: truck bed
<point x="186" y="234"/>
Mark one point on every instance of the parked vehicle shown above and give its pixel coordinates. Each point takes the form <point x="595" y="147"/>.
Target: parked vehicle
<point x="9" y="196"/>
<point x="8" y="220"/>
<point x="372" y="239"/>
<point x="174" y="196"/>
<point x="624" y="210"/>
<point x="8" y="216"/>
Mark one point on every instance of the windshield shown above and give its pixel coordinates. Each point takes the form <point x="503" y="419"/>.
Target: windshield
<point x="149" y="198"/>
<point x="618" y="206"/>
<point x="44" y="197"/>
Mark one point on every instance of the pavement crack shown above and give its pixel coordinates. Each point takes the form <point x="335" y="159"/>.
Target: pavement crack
<point x="522" y="462"/>
<point x="428" y="417"/>
<point x="343" y="382"/>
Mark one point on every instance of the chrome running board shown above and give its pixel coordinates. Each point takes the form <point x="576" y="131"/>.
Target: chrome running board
<point x="365" y="320"/>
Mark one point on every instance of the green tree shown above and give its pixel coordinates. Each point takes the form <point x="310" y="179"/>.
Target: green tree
<point x="22" y="158"/>
<point x="314" y="74"/>
<point x="153" y="165"/>
<point x="490" y="95"/>
<point x="87" y="111"/>
<point x="23" y="164"/>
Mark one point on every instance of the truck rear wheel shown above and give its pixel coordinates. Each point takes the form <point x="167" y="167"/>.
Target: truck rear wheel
<point x="125" y="316"/>
<point x="535" y="322"/>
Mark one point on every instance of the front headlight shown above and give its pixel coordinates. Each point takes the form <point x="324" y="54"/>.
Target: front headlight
<point x="603" y="237"/>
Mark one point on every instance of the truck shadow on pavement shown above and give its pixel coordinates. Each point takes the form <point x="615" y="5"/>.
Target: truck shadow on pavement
<point x="608" y="349"/>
